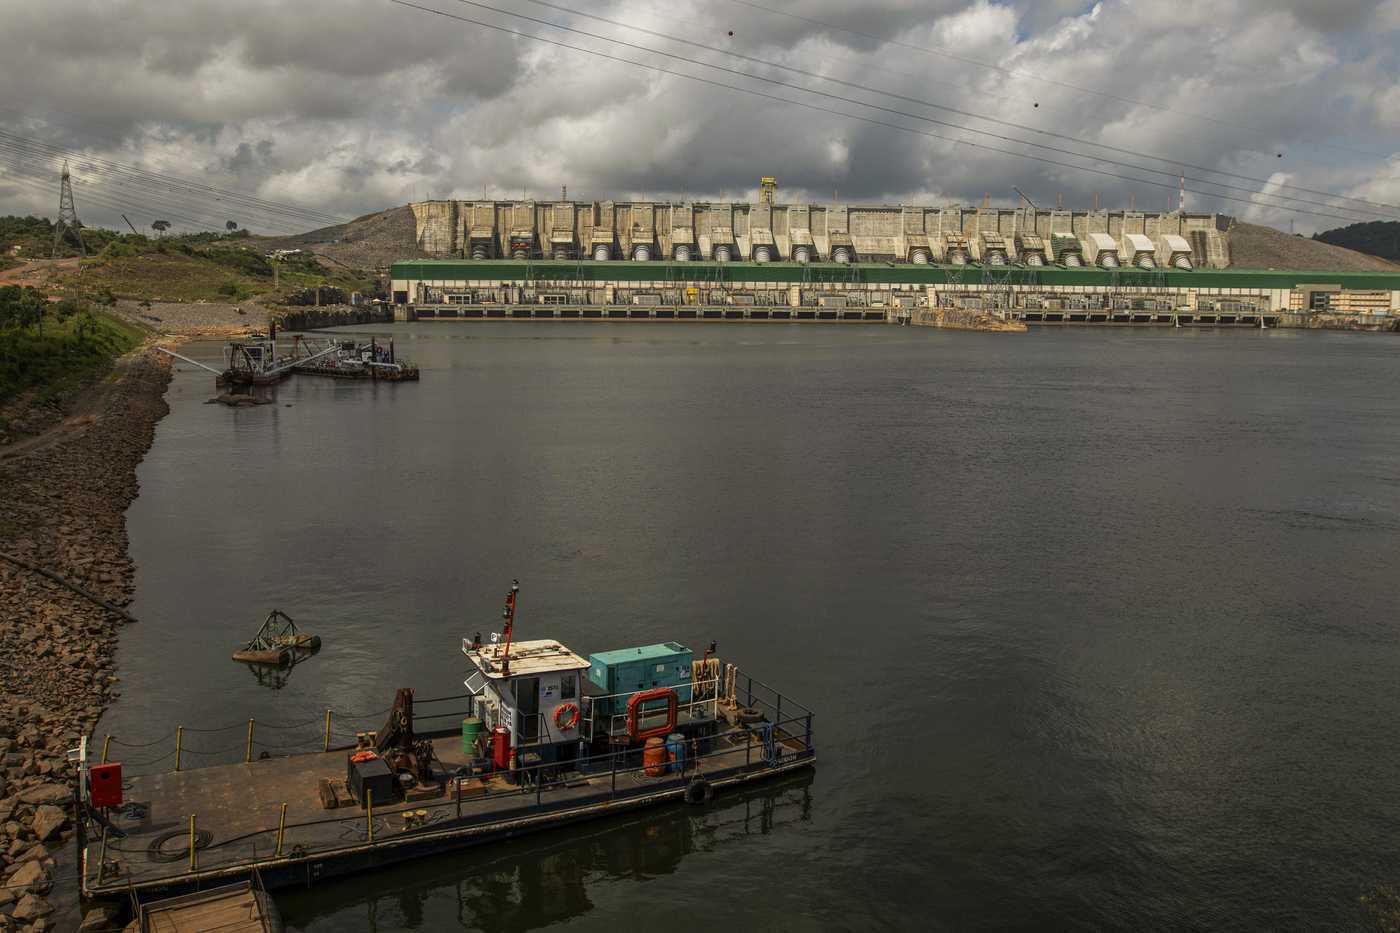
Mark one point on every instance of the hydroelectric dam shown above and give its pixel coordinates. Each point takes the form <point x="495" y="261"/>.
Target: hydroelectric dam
<point x="765" y="261"/>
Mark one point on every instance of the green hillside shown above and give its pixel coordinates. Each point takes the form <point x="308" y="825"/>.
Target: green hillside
<point x="1376" y="238"/>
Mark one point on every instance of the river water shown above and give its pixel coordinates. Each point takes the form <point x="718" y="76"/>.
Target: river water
<point x="1099" y="625"/>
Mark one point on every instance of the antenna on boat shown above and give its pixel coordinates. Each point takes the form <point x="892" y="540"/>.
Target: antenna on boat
<point x="509" y="615"/>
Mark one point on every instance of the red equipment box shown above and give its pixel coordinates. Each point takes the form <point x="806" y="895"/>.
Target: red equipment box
<point x="105" y="785"/>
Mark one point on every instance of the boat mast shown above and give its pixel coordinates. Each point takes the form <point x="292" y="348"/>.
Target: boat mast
<point x="509" y="614"/>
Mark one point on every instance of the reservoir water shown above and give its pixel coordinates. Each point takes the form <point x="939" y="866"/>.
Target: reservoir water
<point x="1100" y="625"/>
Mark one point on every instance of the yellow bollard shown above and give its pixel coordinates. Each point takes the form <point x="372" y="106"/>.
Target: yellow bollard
<point x="179" y="743"/>
<point x="369" y="815"/>
<point x="193" y="863"/>
<point x="106" y="744"/>
<point x="281" y="828"/>
<point x="102" y="857"/>
<point x="248" y="755"/>
<point x="327" y="745"/>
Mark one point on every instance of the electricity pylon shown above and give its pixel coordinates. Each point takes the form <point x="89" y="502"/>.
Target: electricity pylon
<point x="67" y="215"/>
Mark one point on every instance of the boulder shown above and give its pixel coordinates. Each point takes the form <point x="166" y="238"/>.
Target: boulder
<point x="48" y="820"/>
<point x="45" y="793"/>
<point x="103" y="917"/>
<point x="31" y="876"/>
<point x="31" y="907"/>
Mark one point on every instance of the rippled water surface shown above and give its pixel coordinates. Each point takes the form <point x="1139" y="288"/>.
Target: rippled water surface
<point x="1100" y="626"/>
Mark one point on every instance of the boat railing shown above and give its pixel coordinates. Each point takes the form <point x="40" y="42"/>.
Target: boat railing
<point x="752" y="693"/>
<point x="249" y="740"/>
<point x="702" y="697"/>
<point x="618" y="773"/>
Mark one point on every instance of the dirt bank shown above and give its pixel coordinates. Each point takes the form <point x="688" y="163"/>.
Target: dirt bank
<point x="65" y="496"/>
<point x="195" y="318"/>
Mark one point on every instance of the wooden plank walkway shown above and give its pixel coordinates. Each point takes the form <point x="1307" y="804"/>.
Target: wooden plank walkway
<point x="231" y="909"/>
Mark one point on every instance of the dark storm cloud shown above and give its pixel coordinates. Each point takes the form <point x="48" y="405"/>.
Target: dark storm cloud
<point x="353" y="105"/>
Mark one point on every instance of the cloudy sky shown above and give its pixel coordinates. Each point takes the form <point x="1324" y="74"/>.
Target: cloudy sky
<point x="323" y="109"/>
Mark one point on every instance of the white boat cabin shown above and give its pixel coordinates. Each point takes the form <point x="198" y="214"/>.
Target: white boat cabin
<point x="539" y="700"/>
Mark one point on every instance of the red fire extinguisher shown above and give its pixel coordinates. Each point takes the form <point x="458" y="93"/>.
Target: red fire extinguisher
<point x="500" y="748"/>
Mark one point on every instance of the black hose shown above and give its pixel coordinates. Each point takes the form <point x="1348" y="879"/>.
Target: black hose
<point x="156" y="851"/>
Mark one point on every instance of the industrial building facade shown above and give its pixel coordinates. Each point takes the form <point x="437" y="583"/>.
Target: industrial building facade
<point x="894" y="292"/>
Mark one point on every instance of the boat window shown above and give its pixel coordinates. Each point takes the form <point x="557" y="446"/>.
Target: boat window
<point x="527" y="704"/>
<point x="566" y="687"/>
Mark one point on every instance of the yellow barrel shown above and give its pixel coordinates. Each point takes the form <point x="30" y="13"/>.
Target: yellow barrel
<point x="654" y="756"/>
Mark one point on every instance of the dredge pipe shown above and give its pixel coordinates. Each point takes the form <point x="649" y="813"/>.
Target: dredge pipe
<point x="85" y="594"/>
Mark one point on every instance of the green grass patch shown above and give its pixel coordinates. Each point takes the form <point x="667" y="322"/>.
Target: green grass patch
<point x="67" y="355"/>
<point x="172" y="275"/>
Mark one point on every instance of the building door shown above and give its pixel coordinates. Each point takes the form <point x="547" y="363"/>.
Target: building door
<point x="527" y="705"/>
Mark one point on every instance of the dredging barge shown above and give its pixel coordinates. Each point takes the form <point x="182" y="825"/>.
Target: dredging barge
<point x="543" y="737"/>
<point x="257" y="361"/>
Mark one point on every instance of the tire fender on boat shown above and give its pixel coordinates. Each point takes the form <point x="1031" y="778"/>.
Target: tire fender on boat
<point x="699" y="790"/>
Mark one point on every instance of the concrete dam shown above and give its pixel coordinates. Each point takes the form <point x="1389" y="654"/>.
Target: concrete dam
<point x="764" y="261"/>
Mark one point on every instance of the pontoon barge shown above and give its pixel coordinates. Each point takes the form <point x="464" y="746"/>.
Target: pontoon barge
<point x="538" y="741"/>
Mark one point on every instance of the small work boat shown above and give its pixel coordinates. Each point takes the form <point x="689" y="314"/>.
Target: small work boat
<point x="542" y="737"/>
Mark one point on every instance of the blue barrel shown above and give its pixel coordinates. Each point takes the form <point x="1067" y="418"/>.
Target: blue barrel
<point x="675" y="751"/>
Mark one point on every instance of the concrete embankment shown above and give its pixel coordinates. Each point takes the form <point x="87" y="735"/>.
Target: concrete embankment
<point x="332" y="316"/>
<point x="1373" y="323"/>
<point x="65" y="496"/>
<point x="965" y="319"/>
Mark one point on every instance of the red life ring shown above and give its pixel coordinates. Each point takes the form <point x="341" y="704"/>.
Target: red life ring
<point x="566" y="716"/>
<point x="635" y="704"/>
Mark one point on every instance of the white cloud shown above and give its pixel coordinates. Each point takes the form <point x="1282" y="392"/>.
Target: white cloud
<point x="351" y="105"/>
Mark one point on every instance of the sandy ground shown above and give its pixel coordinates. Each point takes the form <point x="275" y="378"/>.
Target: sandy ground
<point x="37" y="272"/>
<point x="195" y="319"/>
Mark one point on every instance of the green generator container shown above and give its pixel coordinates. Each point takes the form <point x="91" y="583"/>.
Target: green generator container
<point x="471" y="728"/>
<point x="628" y="670"/>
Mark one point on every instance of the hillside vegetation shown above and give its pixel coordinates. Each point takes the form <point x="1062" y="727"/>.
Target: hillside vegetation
<point x="227" y="267"/>
<point x="55" y="346"/>
<point x="1376" y="238"/>
<point x="372" y="242"/>
<point x="221" y="270"/>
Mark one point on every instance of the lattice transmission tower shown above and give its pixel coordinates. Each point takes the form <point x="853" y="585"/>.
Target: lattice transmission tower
<point x="67" y="216"/>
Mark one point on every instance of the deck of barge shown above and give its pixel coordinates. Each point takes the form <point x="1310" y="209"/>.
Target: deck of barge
<point x="241" y="805"/>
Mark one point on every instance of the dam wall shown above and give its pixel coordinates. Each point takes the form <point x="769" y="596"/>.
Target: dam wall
<point x="772" y="232"/>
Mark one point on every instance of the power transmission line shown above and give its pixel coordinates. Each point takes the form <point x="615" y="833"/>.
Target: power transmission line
<point x="651" y="67"/>
<point x="38" y="179"/>
<point x="173" y="181"/>
<point x="945" y="53"/>
<point x="151" y="195"/>
<point x="1392" y="211"/>
<point x="187" y="212"/>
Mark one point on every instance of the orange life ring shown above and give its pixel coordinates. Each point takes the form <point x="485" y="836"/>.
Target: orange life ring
<point x="635" y="704"/>
<point x="566" y="716"/>
<point x="367" y="754"/>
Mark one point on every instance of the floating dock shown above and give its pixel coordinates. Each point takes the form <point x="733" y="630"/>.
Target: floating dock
<point x="270" y="815"/>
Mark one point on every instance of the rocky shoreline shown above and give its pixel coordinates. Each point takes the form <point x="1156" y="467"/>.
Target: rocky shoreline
<point x="65" y="497"/>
